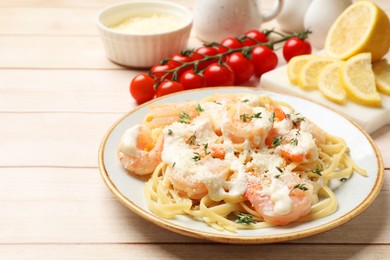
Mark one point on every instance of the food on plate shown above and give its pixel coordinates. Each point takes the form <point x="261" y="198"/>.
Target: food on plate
<point x="233" y="61"/>
<point x="329" y="83"/>
<point x="236" y="161"/>
<point x="382" y="76"/>
<point x="358" y="80"/>
<point x="362" y="27"/>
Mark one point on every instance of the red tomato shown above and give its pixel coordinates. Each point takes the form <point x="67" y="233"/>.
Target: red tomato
<point x="201" y="52"/>
<point x="168" y="87"/>
<point x="142" y="88"/>
<point x="158" y="71"/>
<point x="218" y="75"/>
<point x="232" y="43"/>
<point x="221" y="49"/>
<point x="241" y="66"/>
<point x="264" y="59"/>
<point x="254" y="36"/>
<point x="294" y="47"/>
<point x="177" y="60"/>
<point x="191" y="80"/>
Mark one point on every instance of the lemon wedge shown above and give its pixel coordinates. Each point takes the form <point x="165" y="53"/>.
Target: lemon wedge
<point x="358" y="79"/>
<point x="329" y="83"/>
<point x="362" y="27"/>
<point x="382" y="76"/>
<point x="295" y="65"/>
<point x="308" y="77"/>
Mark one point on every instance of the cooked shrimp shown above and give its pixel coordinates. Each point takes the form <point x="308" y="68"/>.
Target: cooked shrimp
<point x="138" y="152"/>
<point x="299" y="147"/>
<point x="285" y="200"/>
<point x="247" y="123"/>
<point x="195" y="181"/>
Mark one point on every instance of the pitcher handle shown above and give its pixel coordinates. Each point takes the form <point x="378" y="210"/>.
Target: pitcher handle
<point x="277" y="7"/>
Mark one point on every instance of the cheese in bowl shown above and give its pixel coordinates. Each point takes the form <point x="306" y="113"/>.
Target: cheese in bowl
<point x="140" y="34"/>
<point x="149" y="24"/>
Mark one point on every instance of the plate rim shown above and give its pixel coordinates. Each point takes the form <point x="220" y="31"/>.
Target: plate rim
<point x="222" y="238"/>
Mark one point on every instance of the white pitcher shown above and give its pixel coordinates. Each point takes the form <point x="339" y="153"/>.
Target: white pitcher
<point x="290" y="18"/>
<point x="215" y="20"/>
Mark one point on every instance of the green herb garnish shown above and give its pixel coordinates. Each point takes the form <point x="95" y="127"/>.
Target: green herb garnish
<point x="294" y="141"/>
<point x="243" y="218"/>
<point x="199" y="108"/>
<point x="277" y="141"/>
<point x="205" y="149"/>
<point x="301" y="186"/>
<point x="191" y="139"/>
<point x="184" y="118"/>
<point x="196" y="157"/>
<point x="318" y="171"/>
<point x="247" y="117"/>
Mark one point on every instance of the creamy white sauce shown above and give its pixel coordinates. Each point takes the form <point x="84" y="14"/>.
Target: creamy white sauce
<point x="149" y="23"/>
<point x="279" y="194"/>
<point x="128" y="144"/>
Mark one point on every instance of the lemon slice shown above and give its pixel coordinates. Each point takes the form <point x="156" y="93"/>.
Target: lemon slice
<point x="382" y="76"/>
<point x="358" y="80"/>
<point x="362" y="27"/>
<point x="308" y="77"/>
<point x="295" y="65"/>
<point x="329" y="83"/>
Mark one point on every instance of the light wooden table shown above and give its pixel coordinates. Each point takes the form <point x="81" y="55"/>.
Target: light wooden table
<point x="58" y="96"/>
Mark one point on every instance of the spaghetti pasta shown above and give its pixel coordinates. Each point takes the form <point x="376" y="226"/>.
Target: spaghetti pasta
<point x="236" y="162"/>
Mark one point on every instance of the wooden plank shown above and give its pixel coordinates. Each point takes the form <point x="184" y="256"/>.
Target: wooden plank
<point x="81" y="52"/>
<point x="48" y="21"/>
<point x="58" y="52"/>
<point x="77" y="3"/>
<point x="45" y="139"/>
<point x="66" y="90"/>
<point x="194" y="251"/>
<point x="72" y="205"/>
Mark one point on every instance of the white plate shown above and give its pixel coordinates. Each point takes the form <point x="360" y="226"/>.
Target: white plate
<point x="354" y="196"/>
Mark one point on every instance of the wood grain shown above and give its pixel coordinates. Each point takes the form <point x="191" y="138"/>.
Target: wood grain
<point x="59" y="94"/>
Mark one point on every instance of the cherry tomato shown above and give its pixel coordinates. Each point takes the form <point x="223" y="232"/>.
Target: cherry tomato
<point x="142" y="88"/>
<point x="241" y="66"/>
<point x="158" y="71"/>
<point x="177" y="60"/>
<point x="294" y="47"/>
<point x="191" y="80"/>
<point x="168" y="87"/>
<point x="221" y="49"/>
<point x="218" y="75"/>
<point x="254" y="36"/>
<point x="264" y="59"/>
<point x="201" y="52"/>
<point x="232" y="43"/>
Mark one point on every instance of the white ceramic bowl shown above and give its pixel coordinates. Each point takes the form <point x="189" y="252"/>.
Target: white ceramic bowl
<point x="142" y="50"/>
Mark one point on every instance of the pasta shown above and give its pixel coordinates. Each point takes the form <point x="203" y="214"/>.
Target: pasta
<point x="236" y="161"/>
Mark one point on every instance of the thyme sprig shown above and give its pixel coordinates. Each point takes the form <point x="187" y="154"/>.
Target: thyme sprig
<point x="244" y="218"/>
<point x="248" y="118"/>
